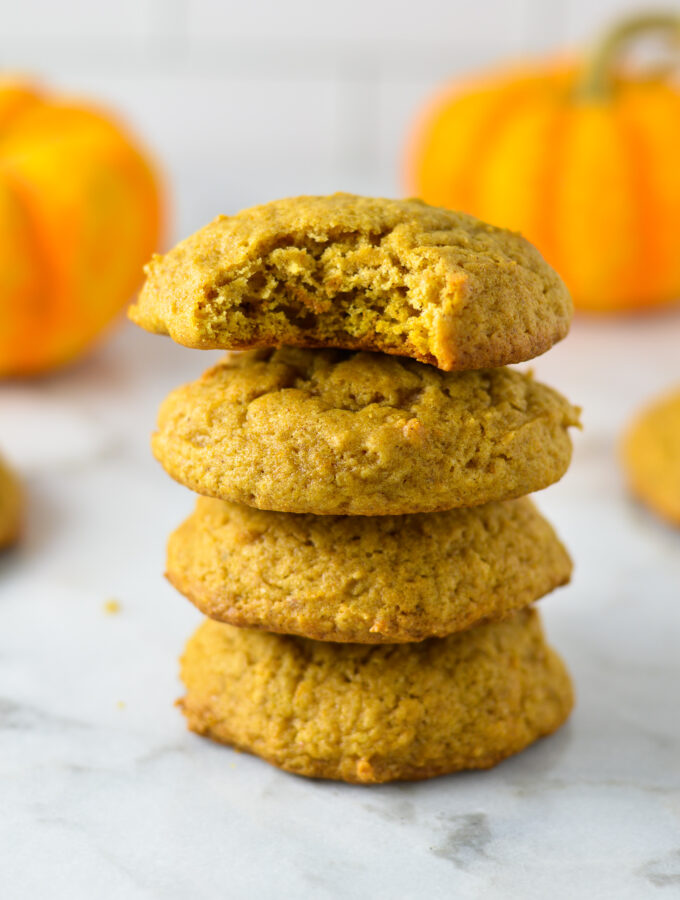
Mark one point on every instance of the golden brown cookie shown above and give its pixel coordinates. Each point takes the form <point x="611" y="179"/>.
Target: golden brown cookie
<point x="363" y="578"/>
<point x="333" y="432"/>
<point x="651" y="455"/>
<point x="367" y="714"/>
<point x="396" y="276"/>
<point x="10" y="505"/>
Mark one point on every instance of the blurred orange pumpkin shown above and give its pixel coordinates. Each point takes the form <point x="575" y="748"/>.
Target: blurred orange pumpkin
<point x="583" y="159"/>
<point x="79" y="217"/>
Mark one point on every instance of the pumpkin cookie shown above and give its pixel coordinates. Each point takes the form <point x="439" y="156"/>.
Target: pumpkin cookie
<point x="10" y="505"/>
<point x="333" y="432"/>
<point x="365" y="579"/>
<point x="369" y="714"/>
<point x="396" y="276"/>
<point x="651" y="455"/>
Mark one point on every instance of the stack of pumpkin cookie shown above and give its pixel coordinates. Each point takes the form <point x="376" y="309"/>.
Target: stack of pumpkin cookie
<point x="364" y="550"/>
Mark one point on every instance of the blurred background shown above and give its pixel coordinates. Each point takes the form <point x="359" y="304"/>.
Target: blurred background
<point x="224" y="105"/>
<point x="243" y="102"/>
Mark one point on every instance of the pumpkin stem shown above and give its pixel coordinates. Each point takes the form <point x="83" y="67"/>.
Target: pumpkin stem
<point x="596" y="83"/>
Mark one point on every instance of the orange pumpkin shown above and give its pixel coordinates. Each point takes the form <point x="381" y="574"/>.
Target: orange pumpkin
<point x="582" y="158"/>
<point x="79" y="217"/>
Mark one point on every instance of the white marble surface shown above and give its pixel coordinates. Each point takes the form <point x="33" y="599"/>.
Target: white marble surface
<point x="104" y="794"/>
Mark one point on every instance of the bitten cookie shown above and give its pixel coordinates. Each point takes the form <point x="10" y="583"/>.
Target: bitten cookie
<point x="332" y="432"/>
<point x="369" y="714"/>
<point x="651" y="455"/>
<point x="395" y="276"/>
<point x="365" y="579"/>
<point x="10" y="505"/>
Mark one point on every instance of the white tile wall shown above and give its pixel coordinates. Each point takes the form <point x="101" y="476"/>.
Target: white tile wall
<point x="244" y="101"/>
<point x="75" y="19"/>
<point x="361" y="21"/>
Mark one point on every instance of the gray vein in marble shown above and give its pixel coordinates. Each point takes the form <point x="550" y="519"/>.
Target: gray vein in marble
<point x="663" y="872"/>
<point x="466" y="839"/>
<point x="23" y="717"/>
<point x="400" y="811"/>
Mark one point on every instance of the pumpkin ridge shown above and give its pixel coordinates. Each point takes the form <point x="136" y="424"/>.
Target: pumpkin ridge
<point x="665" y="177"/>
<point x="483" y="143"/>
<point x="449" y="97"/>
<point x="644" y="261"/>
<point x="548" y="193"/>
<point x="39" y="317"/>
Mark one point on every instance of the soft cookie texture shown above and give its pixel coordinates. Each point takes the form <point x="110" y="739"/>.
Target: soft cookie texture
<point x="10" y="505"/>
<point x="365" y="579"/>
<point x="369" y="714"/>
<point x="651" y="454"/>
<point x="334" y="432"/>
<point x="396" y="276"/>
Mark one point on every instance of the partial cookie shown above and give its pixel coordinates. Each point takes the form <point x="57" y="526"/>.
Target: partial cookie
<point x="332" y="432"/>
<point x="651" y="454"/>
<point x="369" y="714"/>
<point x="10" y="505"/>
<point x="396" y="276"/>
<point x="365" y="579"/>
